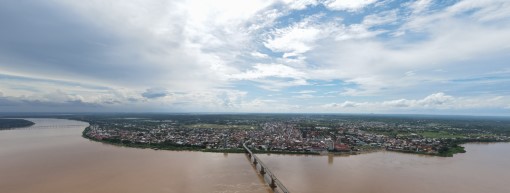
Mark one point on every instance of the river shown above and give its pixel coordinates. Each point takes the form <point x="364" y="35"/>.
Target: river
<point x="484" y="168"/>
<point x="51" y="156"/>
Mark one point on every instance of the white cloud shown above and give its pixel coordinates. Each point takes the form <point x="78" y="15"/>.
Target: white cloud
<point x="446" y="41"/>
<point x="436" y="101"/>
<point x="386" y="17"/>
<point x="294" y="40"/>
<point x="348" y="5"/>
<point x="305" y="92"/>
<point x="192" y="43"/>
<point x="475" y="12"/>
<point x="410" y="73"/>
<point x="208" y="100"/>
<point x="356" y="31"/>
<point x="431" y="101"/>
<point x="264" y="19"/>
<point x="269" y="70"/>
<point x="483" y="10"/>
<point x="190" y="54"/>
<point x="304" y="96"/>
<point x="420" y="6"/>
<point x="300" y="4"/>
<point x="269" y="105"/>
<point x="259" y="55"/>
<point x="346" y="104"/>
<point x="273" y="76"/>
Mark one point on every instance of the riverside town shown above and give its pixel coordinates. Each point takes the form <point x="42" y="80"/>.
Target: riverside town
<point x="296" y="134"/>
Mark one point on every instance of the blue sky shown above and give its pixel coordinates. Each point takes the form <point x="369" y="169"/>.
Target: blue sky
<point x="318" y="56"/>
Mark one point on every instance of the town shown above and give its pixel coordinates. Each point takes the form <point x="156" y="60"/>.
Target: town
<point x="295" y="134"/>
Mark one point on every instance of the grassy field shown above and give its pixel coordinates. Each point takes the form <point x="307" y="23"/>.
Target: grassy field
<point x="218" y="126"/>
<point x="440" y="134"/>
<point x="444" y="134"/>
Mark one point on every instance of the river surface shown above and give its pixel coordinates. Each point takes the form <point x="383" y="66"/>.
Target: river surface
<point x="485" y="168"/>
<point x="51" y="156"/>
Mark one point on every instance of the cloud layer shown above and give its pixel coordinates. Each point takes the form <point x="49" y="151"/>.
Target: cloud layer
<point x="360" y="56"/>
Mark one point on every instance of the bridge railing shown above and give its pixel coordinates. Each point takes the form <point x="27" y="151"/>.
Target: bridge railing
<point x="264" y="170"/>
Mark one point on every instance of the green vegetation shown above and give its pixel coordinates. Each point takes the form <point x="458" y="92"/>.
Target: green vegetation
<point x="84" y="132"/>
<point x="177" y="147"/>
<point x="14" y="123"/>
<point x="162" y="146"/>
<point x="440" y="134"/>
<point x="429" y="135"/>
<point x="449" y="151"/>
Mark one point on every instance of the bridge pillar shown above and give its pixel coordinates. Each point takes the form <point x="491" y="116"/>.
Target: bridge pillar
<point x="272" y="184"/>
<point x="265" y="171"/>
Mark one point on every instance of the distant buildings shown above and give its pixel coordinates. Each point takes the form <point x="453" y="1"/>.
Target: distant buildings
<point x="275" y="137"/>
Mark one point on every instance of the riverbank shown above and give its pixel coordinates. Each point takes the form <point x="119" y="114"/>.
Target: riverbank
<point x="456" y="148"/>
<point x="54" y="157"/>
<point x="446" y="153"/>
<point x="177" y="147"/>
<point x="7" y="124"/>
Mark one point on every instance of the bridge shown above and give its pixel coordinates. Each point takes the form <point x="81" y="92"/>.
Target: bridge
<point x="273" y="182"/>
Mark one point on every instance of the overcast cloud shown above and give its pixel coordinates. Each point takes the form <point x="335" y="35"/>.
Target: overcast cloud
<point x="334" y="56"/>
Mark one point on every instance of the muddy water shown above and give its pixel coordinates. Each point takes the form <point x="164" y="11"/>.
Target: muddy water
<point x="52" y="157"/>
<point x="484" y="168"/>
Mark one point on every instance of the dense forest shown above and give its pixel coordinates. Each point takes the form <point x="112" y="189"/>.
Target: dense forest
<point x="14" y="123"/>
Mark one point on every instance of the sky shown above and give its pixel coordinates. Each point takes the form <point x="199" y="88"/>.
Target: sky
<point x="274" y="56"/>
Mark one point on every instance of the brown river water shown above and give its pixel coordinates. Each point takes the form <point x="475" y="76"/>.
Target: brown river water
<point x="51" y="156"/>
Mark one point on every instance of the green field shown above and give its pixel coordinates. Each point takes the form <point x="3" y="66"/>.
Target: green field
<point x="440" y="134"/>
<point x="444" y="134"/>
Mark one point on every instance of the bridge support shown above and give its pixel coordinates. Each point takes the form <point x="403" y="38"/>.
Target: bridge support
<point x="272" y="184"/>
<point x="264" y="171"/>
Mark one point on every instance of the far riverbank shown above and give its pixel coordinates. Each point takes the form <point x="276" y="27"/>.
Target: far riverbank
<point x="455" y="149"/>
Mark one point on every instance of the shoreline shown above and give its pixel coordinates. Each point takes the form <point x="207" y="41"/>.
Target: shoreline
<point x="455" y="148"/>
<point x="23" y="123"/>
<point x="199" y="149"/>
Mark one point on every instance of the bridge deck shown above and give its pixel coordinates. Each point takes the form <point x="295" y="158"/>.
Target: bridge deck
<point x="264" y="170"/>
